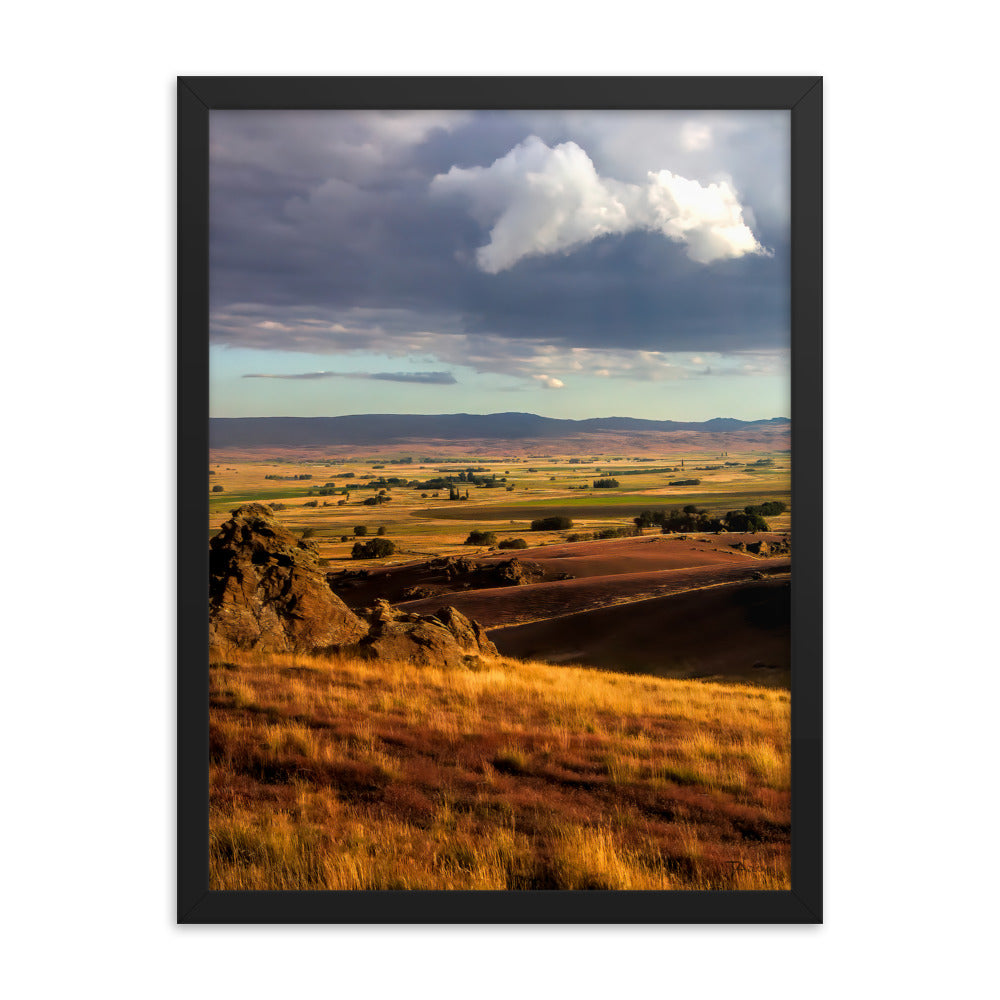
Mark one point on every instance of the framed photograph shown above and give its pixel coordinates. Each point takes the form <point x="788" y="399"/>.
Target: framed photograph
<point x="499" y="422"/>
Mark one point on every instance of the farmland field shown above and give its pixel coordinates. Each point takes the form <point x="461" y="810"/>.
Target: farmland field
<point x="423" y="523"/>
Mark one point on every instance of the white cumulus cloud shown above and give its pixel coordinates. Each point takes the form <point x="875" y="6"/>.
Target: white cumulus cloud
<point x="549" y="381"/>
<point x="541" y="200"/>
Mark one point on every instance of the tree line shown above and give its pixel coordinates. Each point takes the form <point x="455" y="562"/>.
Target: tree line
<point x="691" y="518"/>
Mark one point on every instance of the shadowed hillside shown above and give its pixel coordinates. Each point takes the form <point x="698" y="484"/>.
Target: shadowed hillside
<point x="739" y="632"/>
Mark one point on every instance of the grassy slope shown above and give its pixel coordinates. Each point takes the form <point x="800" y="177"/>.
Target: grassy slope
<point x="334" y="774"/>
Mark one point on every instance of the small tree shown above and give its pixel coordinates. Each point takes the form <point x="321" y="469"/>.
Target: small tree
<point x="551" y="523"/>
<point x="740" y="520"/>
<point x="216" y="488"/>
<point x="770" y="508"/>
<point x="376" y="548"/>
<point x="381" y="547"/>
<point x="513" y="543"/>
<point x="360" y="530"/>
<point x="481" y="538"/>
<point x="381" y="530"/>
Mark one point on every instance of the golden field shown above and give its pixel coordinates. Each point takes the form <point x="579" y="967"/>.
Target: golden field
<point x="337" y="773"/>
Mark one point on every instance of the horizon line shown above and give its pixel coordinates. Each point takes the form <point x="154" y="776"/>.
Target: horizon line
<point x="496" y="413"/>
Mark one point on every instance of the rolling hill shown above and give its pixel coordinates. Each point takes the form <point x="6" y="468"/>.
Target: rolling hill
<point x="381" y="431"/>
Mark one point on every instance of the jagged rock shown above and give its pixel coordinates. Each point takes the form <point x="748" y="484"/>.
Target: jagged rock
<point x="764" y="548"/>
<point x="471" y="574"/>
<point x="469" y="634"/>
<point x="452" y="567"/>
<point x="510" y="572"/>
<point x="267" y="591"/>
<point x="444" y="639"/>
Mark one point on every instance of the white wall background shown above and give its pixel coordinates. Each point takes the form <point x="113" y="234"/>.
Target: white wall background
<point x="87" y="238"/>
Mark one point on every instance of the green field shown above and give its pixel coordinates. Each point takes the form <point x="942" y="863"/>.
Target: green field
<point x="226" y="500"/>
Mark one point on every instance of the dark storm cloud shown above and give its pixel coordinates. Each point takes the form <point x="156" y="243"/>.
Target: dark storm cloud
<point x="326" y="236"/>
<point x="413" y="378"/>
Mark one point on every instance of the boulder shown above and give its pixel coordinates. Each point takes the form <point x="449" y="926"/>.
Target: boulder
<point x="444" y="639"/>
<point x="511" y="573"/>
<point x="468" y="573"/>
<point x="268" y="592"/>
<point x="764" y="549"/>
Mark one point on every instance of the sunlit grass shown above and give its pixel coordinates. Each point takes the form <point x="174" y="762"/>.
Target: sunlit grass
<point x="341" y="773"/>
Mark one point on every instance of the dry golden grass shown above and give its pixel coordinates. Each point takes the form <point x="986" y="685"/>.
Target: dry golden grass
<point x="345" y="774"/>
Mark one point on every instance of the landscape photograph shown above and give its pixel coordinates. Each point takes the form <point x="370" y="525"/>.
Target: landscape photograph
<point x="499" y="500"/>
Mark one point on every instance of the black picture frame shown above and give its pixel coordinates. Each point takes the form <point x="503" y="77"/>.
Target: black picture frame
<point x="196" y="97"/>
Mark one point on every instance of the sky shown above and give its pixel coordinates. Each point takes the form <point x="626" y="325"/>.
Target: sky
<point x="570" y="264"/>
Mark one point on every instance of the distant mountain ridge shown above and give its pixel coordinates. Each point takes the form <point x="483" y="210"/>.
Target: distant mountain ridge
<point x="397" y="428"/>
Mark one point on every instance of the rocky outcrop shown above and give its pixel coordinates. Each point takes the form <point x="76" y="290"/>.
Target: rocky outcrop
<point x="268" y="592"/>
<point x="437" y="577"/>
<point x="452" y="567"/>
<point x="764" y="548"/>
<point x="780" y="547"/>
<point x="511" y="573"/>
<point x="469" y="573"/>
<point x="446" y="638"/>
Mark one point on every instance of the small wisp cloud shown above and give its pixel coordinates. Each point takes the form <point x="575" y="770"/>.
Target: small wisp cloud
<point x="542" y="200"/>
<point x="413" y="378"/>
